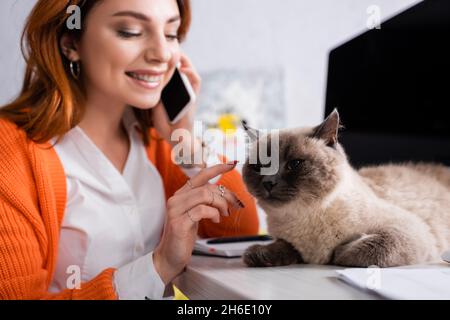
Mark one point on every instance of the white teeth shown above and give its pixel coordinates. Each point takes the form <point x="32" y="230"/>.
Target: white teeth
<point x="146" y="78"/>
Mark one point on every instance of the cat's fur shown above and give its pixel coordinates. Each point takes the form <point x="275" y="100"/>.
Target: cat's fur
<point x="326" y="212"/>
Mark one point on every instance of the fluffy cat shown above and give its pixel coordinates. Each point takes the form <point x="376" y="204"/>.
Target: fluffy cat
<point x="322" y="211"/>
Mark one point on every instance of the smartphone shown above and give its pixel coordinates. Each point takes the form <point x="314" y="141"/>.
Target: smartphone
<point x="177" y="96"/>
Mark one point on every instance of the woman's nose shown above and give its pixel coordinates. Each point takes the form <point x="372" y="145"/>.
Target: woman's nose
<point x="158" y="50"/>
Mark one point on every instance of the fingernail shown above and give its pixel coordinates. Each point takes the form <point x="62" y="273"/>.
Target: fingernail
<point x="241" y="204"/>
<point x="233" y="163"/>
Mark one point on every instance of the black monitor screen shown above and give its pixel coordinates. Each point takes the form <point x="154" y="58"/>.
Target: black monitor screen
<point x="392" y="88"/>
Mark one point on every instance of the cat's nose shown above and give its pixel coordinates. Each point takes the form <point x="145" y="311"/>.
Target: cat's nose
<point x="268" y="185"/>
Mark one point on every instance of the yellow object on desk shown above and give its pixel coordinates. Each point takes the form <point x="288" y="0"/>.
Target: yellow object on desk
<point x="179" y="295"/>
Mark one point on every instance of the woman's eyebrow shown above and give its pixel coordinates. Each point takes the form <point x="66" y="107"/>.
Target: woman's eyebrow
<point x="141" y="16"/>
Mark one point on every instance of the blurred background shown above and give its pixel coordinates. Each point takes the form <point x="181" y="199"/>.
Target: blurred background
<point x="282" y="46"/>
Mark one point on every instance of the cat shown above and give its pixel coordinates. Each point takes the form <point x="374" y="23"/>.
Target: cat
<point x="320" y="210"/>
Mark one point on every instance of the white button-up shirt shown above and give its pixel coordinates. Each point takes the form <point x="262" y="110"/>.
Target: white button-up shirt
<point x="111" y="220"/>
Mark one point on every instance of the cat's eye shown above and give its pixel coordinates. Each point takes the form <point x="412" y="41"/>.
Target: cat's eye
<point x="293" y="164"/>
<point x="256" y="167"/>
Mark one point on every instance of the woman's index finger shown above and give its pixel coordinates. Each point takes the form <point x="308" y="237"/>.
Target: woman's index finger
<point x="207" y="174"/>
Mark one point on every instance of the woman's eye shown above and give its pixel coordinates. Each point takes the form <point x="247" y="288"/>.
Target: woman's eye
<point x="172" y="37"/>
<point x="293" y="164"/>
<point x="127" y="34"/>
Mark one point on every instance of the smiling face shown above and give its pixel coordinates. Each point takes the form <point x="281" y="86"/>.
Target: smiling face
<point x="129" y="50"/>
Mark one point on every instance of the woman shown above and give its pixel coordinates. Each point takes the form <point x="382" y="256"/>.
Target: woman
<point x="86" y="163"/>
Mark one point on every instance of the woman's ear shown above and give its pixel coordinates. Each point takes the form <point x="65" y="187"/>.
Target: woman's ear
<point x="69" y="47"/>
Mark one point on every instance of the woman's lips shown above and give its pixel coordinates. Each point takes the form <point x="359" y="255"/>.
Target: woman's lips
<point x="146" y="79"/>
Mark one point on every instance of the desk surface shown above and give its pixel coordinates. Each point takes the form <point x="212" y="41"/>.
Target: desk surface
<point x="221" y="278"/>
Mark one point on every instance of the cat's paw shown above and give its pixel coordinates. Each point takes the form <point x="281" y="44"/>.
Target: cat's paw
<point x="258" y="256"/>
<point x="377" y="249"/>
<point x="279" y="253"/>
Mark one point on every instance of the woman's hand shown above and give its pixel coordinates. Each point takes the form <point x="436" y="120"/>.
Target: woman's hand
<point x="195" y="201"/>
<point x="161" y="121"/>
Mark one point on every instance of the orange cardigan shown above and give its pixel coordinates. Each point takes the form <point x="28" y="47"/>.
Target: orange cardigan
<point x="32" y="204"/>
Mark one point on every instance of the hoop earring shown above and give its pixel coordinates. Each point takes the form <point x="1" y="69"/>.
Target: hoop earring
<point x="75" y="69"/>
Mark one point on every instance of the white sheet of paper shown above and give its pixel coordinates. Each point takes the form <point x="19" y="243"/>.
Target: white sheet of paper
<point x="405" y="284"/>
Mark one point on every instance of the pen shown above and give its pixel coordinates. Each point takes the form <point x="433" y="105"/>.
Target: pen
<point x="239" y="239"/>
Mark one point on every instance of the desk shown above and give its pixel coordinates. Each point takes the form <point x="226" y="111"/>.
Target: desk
<point x="221" y="278"/>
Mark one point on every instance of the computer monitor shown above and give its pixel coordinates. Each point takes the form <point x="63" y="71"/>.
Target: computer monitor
<point x="391" y="87"/>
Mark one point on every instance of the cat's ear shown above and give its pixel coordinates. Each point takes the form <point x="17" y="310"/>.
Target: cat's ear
<point x="253" y="134"/>
<point x="328" y="130"/>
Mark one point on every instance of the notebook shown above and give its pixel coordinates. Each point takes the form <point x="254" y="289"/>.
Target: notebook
<point x="404" y="284"/>
<point x="228" y="246"/>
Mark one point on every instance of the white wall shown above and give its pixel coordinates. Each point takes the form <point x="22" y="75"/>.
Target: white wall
<point x="295" y="35"/>
<point x="12" y="17"/>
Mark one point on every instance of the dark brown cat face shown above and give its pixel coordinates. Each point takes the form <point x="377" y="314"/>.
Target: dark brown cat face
<point x="309" y="166"/>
